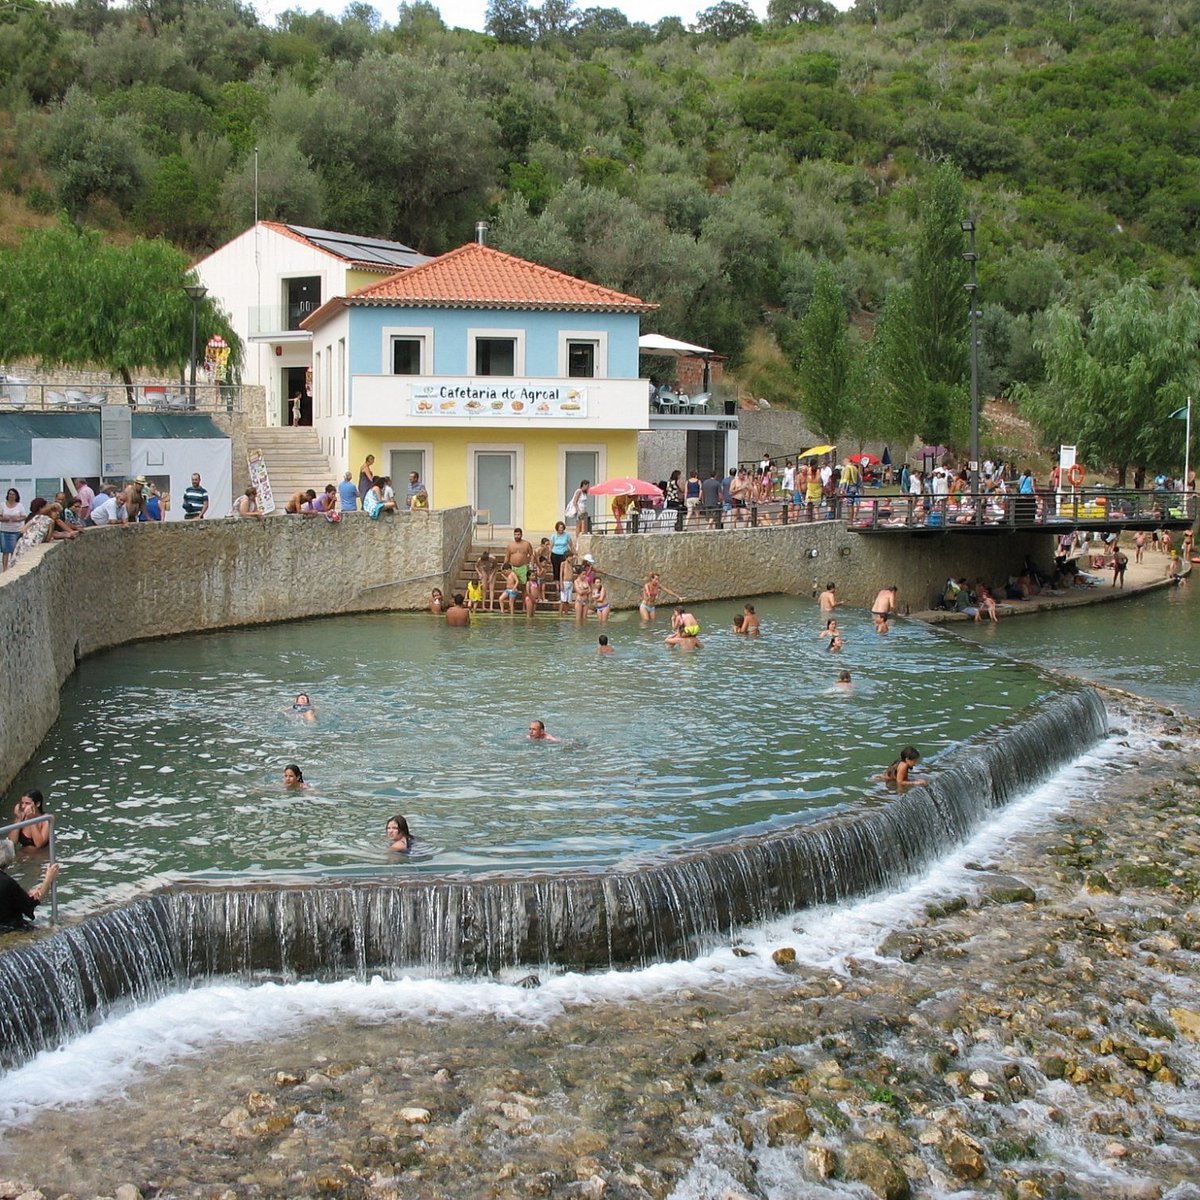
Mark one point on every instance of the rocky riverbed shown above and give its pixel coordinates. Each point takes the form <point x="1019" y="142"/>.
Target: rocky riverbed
<point x="1035" y="1034"/>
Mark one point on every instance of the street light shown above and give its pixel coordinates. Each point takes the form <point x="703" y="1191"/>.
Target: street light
<point x="195" y="293"/>
<point x="968" y="227"/>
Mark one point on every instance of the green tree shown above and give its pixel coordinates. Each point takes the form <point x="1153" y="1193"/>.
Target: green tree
<point x="69" y="299"/>
<point x="826" y="366"/>
<point x="940" y="310"/>
<point x="726" y="20"/>
<point x="894" y="370"/>
<point x="92" y="156"/>
<point x="1112" y="382"/>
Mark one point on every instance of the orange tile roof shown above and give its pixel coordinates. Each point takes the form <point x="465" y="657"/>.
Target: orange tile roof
<point x="475" y="276"/>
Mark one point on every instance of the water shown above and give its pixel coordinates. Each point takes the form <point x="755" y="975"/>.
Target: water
<point x="1149" y="646"/>
<point x="166" y="761"/>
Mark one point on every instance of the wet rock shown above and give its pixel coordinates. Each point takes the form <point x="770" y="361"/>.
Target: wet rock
<point x="1187" y="1021"/>
<point x="821" y="1161"/>
<point x="907" y="947"/>
<point x="1006" y="889"/>
<point x="785" y="956"/>
<point x="786" y="1121"/>
<point x="741" y="952"/>
<point x="964" y="1155"/>
<point x="865" y="1163"/>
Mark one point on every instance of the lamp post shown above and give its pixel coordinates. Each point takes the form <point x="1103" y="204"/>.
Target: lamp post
<point x="195" y="293"/>
<point x="972" y="288"/>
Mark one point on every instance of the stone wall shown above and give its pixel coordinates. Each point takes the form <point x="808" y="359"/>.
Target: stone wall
<point x="70" y="599"/>
<point x="795" y="559"/>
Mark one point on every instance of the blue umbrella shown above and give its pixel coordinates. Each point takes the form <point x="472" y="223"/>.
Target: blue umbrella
<point x="886" y="460"/>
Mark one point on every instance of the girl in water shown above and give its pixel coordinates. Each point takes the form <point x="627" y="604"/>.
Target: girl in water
<point x="399" y="839"/>
<point x="293" y="777"/>
<point x="899" y="772"/>
<point x="30" y="805"/>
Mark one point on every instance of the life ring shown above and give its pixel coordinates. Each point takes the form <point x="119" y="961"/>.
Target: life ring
<point x="1076" y="474"/>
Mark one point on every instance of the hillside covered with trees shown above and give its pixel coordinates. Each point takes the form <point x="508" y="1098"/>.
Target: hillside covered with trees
<point x="790" y="192"/>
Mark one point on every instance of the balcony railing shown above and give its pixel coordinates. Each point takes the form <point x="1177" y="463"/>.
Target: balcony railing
<point x="16" y="395"/>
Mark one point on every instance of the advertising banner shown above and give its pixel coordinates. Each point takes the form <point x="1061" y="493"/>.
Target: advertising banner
<point x="502" y="398"/>
<point x="260" y="479"/>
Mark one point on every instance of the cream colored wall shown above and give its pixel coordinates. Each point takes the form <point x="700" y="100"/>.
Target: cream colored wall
<point x="540" y="462"/>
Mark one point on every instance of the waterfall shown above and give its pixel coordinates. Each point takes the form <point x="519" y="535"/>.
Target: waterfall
<point x="677" y="906"/>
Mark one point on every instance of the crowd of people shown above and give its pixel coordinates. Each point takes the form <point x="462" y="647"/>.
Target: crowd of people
<point x="71" y="513"/>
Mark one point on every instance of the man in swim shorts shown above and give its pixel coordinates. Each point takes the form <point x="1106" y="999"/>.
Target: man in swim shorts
<point x="458" y="614"/>
<point x="520" y="554"/>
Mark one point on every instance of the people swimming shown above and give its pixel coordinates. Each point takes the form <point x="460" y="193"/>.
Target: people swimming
<point x="399" y="838"/>
<point x="537" y="732"/>
<point x="899" y="772"/>
<point x="293" y="777"/>
<point x="302" y="707"/>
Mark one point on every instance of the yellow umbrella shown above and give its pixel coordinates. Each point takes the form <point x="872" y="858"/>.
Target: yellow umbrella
<point x="817" y="450"/>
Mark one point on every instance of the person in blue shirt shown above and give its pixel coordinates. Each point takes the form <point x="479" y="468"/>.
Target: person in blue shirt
<point x="347" y="494"/>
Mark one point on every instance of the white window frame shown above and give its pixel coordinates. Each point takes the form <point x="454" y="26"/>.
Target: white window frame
<point x="421" y="333"/>
<point x="599" y="338"/>
<point x="516" y="335"/>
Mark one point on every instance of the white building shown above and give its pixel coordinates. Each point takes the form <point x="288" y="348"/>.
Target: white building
<point x="272" y="276"/>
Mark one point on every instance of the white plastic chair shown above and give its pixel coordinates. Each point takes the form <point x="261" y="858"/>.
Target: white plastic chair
<point x="483" y="516"/>
<point x="56" y="399"/>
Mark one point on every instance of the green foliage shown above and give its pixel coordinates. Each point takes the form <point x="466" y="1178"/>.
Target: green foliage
<point x="827" y="361"/>
<point x="1112" y="382"/>
<point x="91" y="156"/>
<point x="68" y="299"/>
<point x="727" y="19"/>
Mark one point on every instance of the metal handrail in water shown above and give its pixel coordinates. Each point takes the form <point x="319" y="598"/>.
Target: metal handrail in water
<point x="5" y="830"/>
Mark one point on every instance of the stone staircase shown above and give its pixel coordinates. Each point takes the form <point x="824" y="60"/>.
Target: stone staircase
<point x="294" y="459"/>
<point x="466" y="574"/>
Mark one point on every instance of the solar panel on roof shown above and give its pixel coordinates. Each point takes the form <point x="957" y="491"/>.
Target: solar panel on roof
<point x="362" y="249"/>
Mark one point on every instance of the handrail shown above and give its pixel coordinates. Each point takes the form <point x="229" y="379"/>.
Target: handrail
<point x="5" y="830"/>
<point x="443" y="575"/>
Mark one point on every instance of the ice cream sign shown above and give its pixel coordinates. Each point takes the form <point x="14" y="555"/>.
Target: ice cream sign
<point x="502" y="398"/>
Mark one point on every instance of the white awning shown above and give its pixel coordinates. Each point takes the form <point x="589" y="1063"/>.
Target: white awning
<point x="655" y="343"/>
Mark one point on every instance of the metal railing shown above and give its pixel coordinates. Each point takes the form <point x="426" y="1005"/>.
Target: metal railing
<point x="963" y="511"/>
<point x="1091" y="507"/>
<point x="16" y="395"/>
<point x="5" y="830"/>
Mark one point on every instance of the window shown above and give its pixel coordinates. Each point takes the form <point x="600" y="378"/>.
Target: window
<point x="303" y="298"/>
<point x="581" y="360"/>
<point x="406" y="355"/>
<point x="495" y="356"/>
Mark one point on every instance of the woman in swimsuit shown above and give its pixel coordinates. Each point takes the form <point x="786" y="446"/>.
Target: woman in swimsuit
<point x="831" y="629"/>
<point x="485" y="568"/>
<point x="750" y="623"/>
<point x="600" y="601"/>
<point x="302" y="708"/>
<point x="583" y="595"/>
<point x="399" y="839"/>
<point x="533" y="591"/>
<point x="30" y="805"/>
<point x="650" y="591"/>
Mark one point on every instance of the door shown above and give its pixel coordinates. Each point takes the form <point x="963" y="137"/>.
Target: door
<point x="495" y="471"/>
<point x="401" y="464"/>
<point x="578" y="465"/>
<point x="296" y="396"/>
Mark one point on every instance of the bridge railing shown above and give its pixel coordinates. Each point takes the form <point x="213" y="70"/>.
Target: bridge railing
<point x="963" y="511"/>
<point x="1015" y="510"/>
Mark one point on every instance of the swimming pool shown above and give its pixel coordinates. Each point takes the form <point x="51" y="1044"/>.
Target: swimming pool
<point x="166" y="761"/>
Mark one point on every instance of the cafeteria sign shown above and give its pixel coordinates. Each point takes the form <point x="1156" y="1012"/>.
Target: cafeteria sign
<point x="503" y="398"/>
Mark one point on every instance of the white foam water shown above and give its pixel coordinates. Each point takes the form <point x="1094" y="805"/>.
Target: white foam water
<point x="111" y="1058"/>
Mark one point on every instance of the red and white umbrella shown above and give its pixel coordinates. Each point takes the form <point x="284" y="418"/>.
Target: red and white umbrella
<point x="625" y="486"/>
<point x="865" y="460"/>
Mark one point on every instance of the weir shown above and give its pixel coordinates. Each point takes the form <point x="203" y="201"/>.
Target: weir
<point x="677" y="905"/>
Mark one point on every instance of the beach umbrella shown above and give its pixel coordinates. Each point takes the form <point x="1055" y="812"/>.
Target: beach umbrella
<point x="864" y="459"/>
<point x="816" y="450"/>
<point x="625" y="486"/>
<point x="886" y="460"/>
